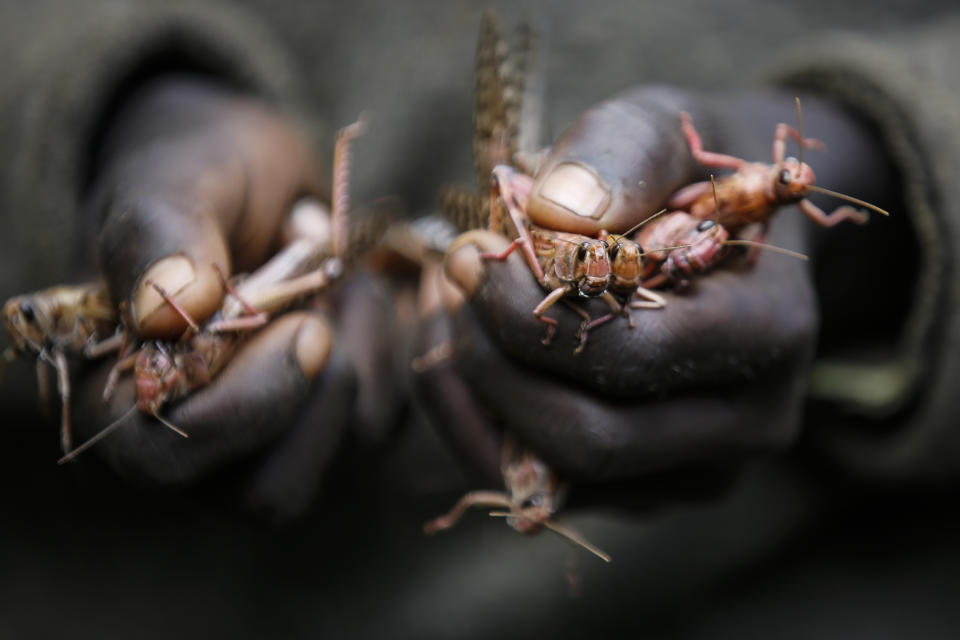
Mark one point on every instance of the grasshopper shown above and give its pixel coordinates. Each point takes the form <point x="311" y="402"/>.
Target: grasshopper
<point x="566" y="263"/>
<point x="701" y="246"/>
<point x="60" y="321"/>
<point x="165" y="371"/>
<point x="534" y="494"/>
<point x="754" y="192"/>
<point x="506" y="124"/>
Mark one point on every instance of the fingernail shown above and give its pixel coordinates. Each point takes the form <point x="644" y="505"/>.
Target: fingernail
<point x="312" y="346"/>
<point x="576" y="188"/>
<point x="463" y="266"/>
<point x="172" y="274"/>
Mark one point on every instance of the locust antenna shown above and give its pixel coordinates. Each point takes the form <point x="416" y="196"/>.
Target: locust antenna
<point x="843" y="196"/>
<point x="643" y="222"/>
<point x="673" y="248"/>
<point x="170" y="425"/>
<point x="576" y="539"/>
<point x="569" y="241"/>
<point x="768" y="247"/>
<point x="716" y="200"/>
<point x="100" y="435"/>
<point x="560" y="530"/>
<point x="626" y="234"/>
<point x="574" y="242"/>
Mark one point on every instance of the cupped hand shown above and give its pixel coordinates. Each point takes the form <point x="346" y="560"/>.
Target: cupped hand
<point x="707" y="383"/>
<point x="193" y="179"/>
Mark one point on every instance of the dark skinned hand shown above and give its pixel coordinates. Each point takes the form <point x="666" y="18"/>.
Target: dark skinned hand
<point x="192" y="177"/>
<point x="674" y="406"/>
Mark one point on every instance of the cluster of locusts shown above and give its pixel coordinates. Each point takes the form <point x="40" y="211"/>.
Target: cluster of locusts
<point x="81" y="320"/>
<point x="623" y="265"/>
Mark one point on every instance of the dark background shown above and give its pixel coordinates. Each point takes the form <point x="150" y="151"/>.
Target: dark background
<point x="795" y="550"/>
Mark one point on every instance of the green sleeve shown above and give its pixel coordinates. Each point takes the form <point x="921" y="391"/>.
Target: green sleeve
<point x="899" y="418"/>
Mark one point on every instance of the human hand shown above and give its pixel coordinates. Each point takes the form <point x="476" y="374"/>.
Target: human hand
<point x="192" y="178"/>
<point x="696" y="389"/>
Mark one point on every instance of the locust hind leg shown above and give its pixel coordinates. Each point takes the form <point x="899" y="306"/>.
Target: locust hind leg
<point x="94" y="350"/>
<point x="246" y="323"/>
<point x="229" y="288"/>
<point x="501" y="190"/>
<point x="706" y="158"/>
<point x="274" y="298"/>
<point x="472" y="499"/>
<point x="175" y="306"/>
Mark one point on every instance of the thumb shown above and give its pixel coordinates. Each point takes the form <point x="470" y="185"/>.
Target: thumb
<point x="195" y="176"/>
<point x="615" y="165"/>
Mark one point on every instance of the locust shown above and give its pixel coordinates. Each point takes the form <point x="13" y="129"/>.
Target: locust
<point x="700" y="246"/>
<point x="57" y="322"/>
<point x="534" y="494"/>
<point x="565" y="263"/>
<point x="756" y="190"/>
<point x="167" y="371"/>
<point x="569" y="264"/>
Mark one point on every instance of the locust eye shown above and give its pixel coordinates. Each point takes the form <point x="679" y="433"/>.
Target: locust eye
<point x="785" y="177"/>
<point x="615" y="251"/>
<point x="706" y="225"/>
<point x="27" y="310"/>
<point x="582" y="251"/>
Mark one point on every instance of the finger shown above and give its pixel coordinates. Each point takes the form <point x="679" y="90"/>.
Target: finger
<point x="289" y="478"/>
<point x="197" y="178"/>
<point x="250" y="404"/>
<point x="587" y="437"/>
<point x="615" y="165"/>
<point x="466" y="423"/>
<point x="450" y="405"/>
<point x="365" y="329"/>
<point x="735" y="326"/>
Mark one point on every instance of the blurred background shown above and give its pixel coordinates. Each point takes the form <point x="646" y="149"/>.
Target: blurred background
<point x="794" y="549"/>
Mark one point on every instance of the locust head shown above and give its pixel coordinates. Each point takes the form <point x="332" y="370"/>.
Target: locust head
<point x="28" y="323"/>
<point x="793" y="180"/>
<point x="156" y="377"/>
<point x="626" y="264"/>
<point x="591" y="267"/>
<point x="533" y="493"/>
<point x="708" y="235"/>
